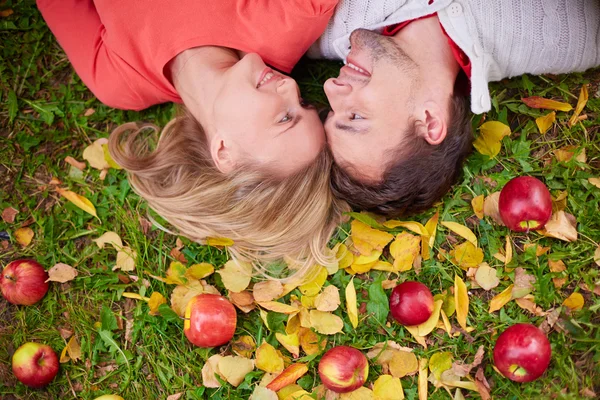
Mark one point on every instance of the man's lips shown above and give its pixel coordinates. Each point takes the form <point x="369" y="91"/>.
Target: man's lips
<point x="353" y="65"/>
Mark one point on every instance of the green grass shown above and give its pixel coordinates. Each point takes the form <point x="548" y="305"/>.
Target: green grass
<point x="42" y="107"/>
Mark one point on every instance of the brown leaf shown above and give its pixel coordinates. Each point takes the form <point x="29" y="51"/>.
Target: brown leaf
<point x="540" y="102"/>
<point x="491" y="209"/>
<point x="6" y="13"/>
<point x="9" y="214"/>
<point x="483" y="387"/>
<point x="551" y="318"/>
<point x="23" y="236"/>
<point x="328" y="299"/>
<point x="528" y="304"/>
<point x="80" y="165"/>
<point x="61" y="273"/>
<point x="267" y="290"/>
<point x="523" y="283"/>
<point x="243" y="300"/>
<point x="72" y="351"/>
<point x="561" y="226"/>
<point x="175" y="396"/>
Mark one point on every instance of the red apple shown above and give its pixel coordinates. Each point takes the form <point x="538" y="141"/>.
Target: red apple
<point x="525" y="204"/>
<point x="343" y="369"/>
<point x="35" y="364"/>
<point x="210" y="320"/>
<point x="522" y="353"/>
<point x="23" y="282"/>
<point x="411" y="303"/>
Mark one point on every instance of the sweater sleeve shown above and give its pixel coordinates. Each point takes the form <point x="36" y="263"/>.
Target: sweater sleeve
<point x="79" y="31"/>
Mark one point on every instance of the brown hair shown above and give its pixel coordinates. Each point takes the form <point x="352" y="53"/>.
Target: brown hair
<point x="268" y="218"/>
<point x="418" y="174"/>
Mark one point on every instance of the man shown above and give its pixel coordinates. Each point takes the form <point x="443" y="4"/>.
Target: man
<point x="400" y="126"/>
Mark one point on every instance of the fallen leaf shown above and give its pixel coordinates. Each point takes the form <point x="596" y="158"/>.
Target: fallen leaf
<point x="182" y="295"/>
<point x="477" y="204"/>
<point x="61" y="273"/>
<point x="291" y="342"/>
<point x="404" y="249"/>
<point x="72" y="351"/>
<point x="597" y="256"/>
<point x="6" y="13"/>
<point x="236" y="275"/>
<point x="209" y="370"/>
<point x="325" y="323"/>
<point x="175" y="396"/>
<point x="566" y="153"/>
<point x="523" y="283"/>
<point x="559" y="203"/>
<point x="501" y="299"/>
<point x="328" y="299"/>
<point x="199" y="271"/>
<point x="440" y="362"/>
<point x="313" y="286"/>
<point x="219" y="242"/>
<point x="428" y="242"/>
<point x="413" y="226"/>
<point x="581" y="102"/>
<point x="362" y="393"/>
<point x="9" y="214"/>
<point x="125" y="259"/>
<point x="486" y="277"/>
<point x="539" y="250"/>
<point x="351" y="305"/>
<point x="156" y="299"/>
<point x="79" y="201"/>
<point x="94" y="155"/>
<point x="310" y="342"/>
<point x="244" y="346"/>
<point x="461" y="299"/>
<point x="426" y="327"/>
<point x="386" y="387"/>
<point x="466" y="255"/>
<point x="489" y="141"/>
<point x="74" y="163"/>
<point x="111" y="238"/>
<point x="279" y="307"/>
<point x="262" y="393"/>
<point x="595" y="182"/>
<point x="234" y="369"/>
<point x="561" y="226"/>
<point x="540" y="102"/>
<point x="267" y="290"/>
<point x="288" y="376"/>
<point x="461" y="231"/>
<point x="527" y="303"/>
<point x="403" y="363"/>
<point x="545" y="122"/>
<point x="491" y="208"/>
<point x="461" y="370"/>
<point x="423" y="393"/>
<point x="23" y="236"/>
<point x="268" y="359"/>
<point x="557" y="266"/>
<point x="508" y="251"/>
<point x="367" y="239"/>
<point x="574" y="301"/>
<point x="345" y="257"/>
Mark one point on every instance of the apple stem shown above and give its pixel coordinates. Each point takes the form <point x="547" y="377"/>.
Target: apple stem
<point x="9" y="277"/>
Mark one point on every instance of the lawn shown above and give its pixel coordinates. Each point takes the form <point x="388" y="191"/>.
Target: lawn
<point x="138" y="349"/>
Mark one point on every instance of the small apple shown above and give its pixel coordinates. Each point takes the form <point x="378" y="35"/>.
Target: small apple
<point x="343" y="369"/>
<point x="210" y="320"/>
<point x="35" y="364"/>
<point x="23" y="282"/>
<point x="525" y="204"/>
<point x="522" y="353"/>
<point x="411" y="303"/>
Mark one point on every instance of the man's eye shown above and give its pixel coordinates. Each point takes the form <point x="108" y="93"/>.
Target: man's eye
<point x="285" y="119"/>
<point x="354" y="116"/>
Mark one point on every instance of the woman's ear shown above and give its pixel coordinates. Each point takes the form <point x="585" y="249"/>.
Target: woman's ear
<point x="432" y="127"/>
<point x="222" y="155"/>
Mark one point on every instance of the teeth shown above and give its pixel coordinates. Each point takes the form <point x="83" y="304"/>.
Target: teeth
<point x="354" y="67"/>
<point x="268" y="76"/>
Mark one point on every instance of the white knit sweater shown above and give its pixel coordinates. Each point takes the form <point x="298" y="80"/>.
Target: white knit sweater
<point x="502" y="38"/>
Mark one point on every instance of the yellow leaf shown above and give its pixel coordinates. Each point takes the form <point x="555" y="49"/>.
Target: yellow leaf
<point x="540" y="102"/>
<point x="501" y="299"/>
<point x="125" y="259"/>
<point x="545" y="122"/>
<point x="414" y="226"/>
<point x="79" y="201"/>
<point x="477" y="204"/>
<point x="199" y="271"/>
<point x="279" y="307"/>
<point x="234" y="369"/>
<point x="367" y="239"/>
<point x="386" y="387"/>
<point x="363" y="268"/>
<point x="61" y="273"/>
<point x="156" y="299"/>
<point x="466" y="255"/>
<point x="367" y="259"/>
<point x="345" y="257"/>
<point x="426" y="327"/>
<point x="486" y="277"/>
<point x="210" y="368"/>
<point x="461" y="299"/>
<point x="182" y="295"/>
<point x="290" y="342"/>
<point x="490" y="137"/>
<point x="219" y="242"/>
<point x="403" y="363"/>
<point x="404" y="250"/>
<point x="111" y="238"/>
<point x="561" y="226"/>
<point x="262" y="393"/>
<point x="461" y="231"/>
<point x="267" y="291"/>
<point x="595" y="182"/>
<point x="428" y="241"/>
<point x="423" y="379"/>
<point x="308" y="301"/>
<point x="236" y="275"/>
<point x="176" y="274"/>
<point x="383" y="266"/>
<point x="362" y="393"/>
<point x="440" y="362"/>
<point x="325" y="323"/>
<point x="72" y="351"/>
<point x="351" y="306"/>
<point x="244" y="346"/>
<point x="314" y="285"/>
<point x="508" y="250"/>
<point x="490" y="208"/>
<point x="23" y="236"/>
<point x="597" y="256"/>
<point x="136" y="296"/>
<point x="328" y="299"/>
<point x="94" y="155"/>
<point x="310" y="342"/>
<point x="581" y="102"/>
<point x="268" y="359"/>
<point x="112" y="163"/>
<point x="574" y="301"/>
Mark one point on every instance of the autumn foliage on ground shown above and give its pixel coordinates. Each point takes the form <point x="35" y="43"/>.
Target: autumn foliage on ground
<point x="119" y="285"/>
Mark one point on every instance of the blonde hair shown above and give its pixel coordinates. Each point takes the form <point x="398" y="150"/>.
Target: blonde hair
<point x="269" y="219"/>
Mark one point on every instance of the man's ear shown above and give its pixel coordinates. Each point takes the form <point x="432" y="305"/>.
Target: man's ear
<point x="432" y="124"/>
<point x="222" y="155"/>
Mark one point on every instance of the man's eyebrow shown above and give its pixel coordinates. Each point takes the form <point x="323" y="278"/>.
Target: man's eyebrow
<point x="349" y="128"/>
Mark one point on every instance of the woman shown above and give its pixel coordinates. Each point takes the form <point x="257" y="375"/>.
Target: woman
<point x="246" y="158"/>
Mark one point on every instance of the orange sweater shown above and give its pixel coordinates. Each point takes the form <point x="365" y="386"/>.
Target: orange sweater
<point x="120" y="48"/>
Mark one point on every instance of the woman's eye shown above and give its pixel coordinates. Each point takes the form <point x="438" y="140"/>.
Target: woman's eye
<point x="355" y="116"/>
<point x="285" y="119"/>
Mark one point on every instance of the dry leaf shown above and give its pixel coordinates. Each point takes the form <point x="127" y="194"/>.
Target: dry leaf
<point x="313" y="286"/>
<point x="72" y="351"/>
<point x="404" y="249"/>
<point x="595" y="182"/>
<point x="527" y="303"/>
<point x="199" y="271"/>
<point x="597" y="256"/>
<point x="423" y="394"/>
<point x="125" y="259"/>
<point x="262" y="393"/>
<point x="310" y="342"/>
<point x="267" y="290"/>
<point x="413" y="226"/>
<point x="386" y="387"/>
<point x="581" y="102"/>
<point x="490" y="137"/>
<point x="175" y="396"/>
<point x="547" y="104"/>
<point x="79" y="201"/>
<point x="440" y="362"/>
<point x="182" y="295"/>
<point x="477" y="204"/>
<point x="561" y="226"/>
<point x="461" y="299"/>
<point x="279" y="307"/>
<point x="574" y="301"/>
<point x="156" y="299"/>
<point x="23" y="236"/>
<point x="233" y="369"/>
<point x="523" y="283"/>
<point x="244" y="346"/>
<point x="403" y="363"/>
<point x="61" y="273"/>
<point x="491" y="209"/>
<point x="466" y="255"/>
<point x="486" y="277"/>
<point x="325" y="323"/>
<point x="74" y="163"/>
<point x="328" y="299"/>
<point x="210" y="368"/>
<point x="565" y="154"/>
<point x="268" y="359"/>
<point x="351" y="305"/>
<point x="94" y="155"/>
<point x="501" y="299"/>
<point x="461" y="231"/>
<point x="236" y="275"/>
<point x="291" y="342"/>
<point x="545" y="122"/>
<point x="426" y="327"/>
<point x="6" y="13"/>
<point x="367" y="239"/>
<point x="288" y="377"/>
<point x="111" y="238"/>
<point x="9" y="214"/>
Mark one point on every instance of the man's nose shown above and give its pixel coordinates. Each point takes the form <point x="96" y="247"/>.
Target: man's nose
<point x="335" y="86"/>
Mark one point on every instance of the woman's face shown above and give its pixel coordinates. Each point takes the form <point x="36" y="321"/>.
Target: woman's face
<point x="260" y="116"/>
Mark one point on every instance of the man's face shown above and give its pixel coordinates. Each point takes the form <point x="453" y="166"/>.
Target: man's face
<point x="371" y="101"/>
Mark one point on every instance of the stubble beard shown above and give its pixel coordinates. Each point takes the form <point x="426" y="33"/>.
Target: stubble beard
<point x="382" y="49"/>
